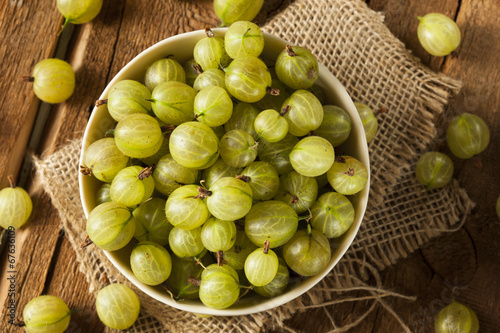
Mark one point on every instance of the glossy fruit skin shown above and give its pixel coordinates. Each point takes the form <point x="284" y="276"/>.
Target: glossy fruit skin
<point x="128" y="189"/>
<point x="370" y="122"/>
<point x="243" y="38"/>
<point x="151" y="222"/>
<point x="102" y="195"/>
<point x="15" y="207"/>
<point x="332" y="214"/>
<point x="243" y="118"/>
<point x="271" y="126"/>
<point x="305" y="112"/>
<point x="164" y="70"/>
<point x="438" y="34"/>
<point x="209" y="52"/>
<point x="277" y="153"/>
<point x="110" y="226"/>
<point x="219" y="287"/>
<point x="79" y="11"/>
<point x="271" y="220"/>
<point x="467" y="135"/>
<point x="218" y="235"/>
<point x="164" y="150"/>
<point x="127" y="97"/>
<point x="117" y="306"/>
<point x="264" y="180"/>
<point x="312" y="156"/>
<point x="170" y="175"/>
<point x="54" y="80"/>
<point x="278" y="285"/>
<point x="274" y="102"/>
<point x="150" y="263"/>
<point x="104" y="159"/>
<point x="230" y="11"/>
<point x="218" y="170"/>
<point x="210" y="77"/>
<point x="336" y="125"/>
<point x="347" y="175"/>
<point x="44" y="314"/>
<point x="173" y="102"/>
<point x="184" y="210"/>
<point x="307" y="253"/>
<point x="260" y="267"/>
<point x="299" y="71"/>
<point x="297" y="191"/>
<point x="456" y="318"/>
<point x="182" y="270"/>
<point x="186" y="243"/>
<point x="434" y="170"/>
<point x="194" y="145"/>
<point x="238" y="149"/>
<point x="236" y="255"/>
<point x="138" y="136"/>
<point x="247" y="79"/>
<point x="213" y="106"/>
<point x="231" y="199"/>
<point x="191" y="73"/>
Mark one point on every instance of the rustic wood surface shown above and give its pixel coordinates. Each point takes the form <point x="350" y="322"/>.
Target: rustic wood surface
<point x="468" y="259"/>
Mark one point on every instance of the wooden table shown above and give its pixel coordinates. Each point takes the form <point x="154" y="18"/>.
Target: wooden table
<point x="468" y="259"/>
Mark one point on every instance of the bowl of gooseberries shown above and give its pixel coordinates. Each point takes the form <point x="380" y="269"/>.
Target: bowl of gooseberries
<point x="224" y="171"/>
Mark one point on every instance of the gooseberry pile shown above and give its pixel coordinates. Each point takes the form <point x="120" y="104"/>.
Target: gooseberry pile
<point x="222" y="171"/>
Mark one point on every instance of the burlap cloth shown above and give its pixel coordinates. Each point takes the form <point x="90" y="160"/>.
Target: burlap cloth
<point x="376" y="69"/>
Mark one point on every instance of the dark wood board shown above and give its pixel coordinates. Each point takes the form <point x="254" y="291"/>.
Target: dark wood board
<point x="467" y="259"/>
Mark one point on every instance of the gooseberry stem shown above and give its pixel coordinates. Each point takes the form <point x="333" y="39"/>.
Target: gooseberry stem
<point x="272" y="91"/>
<point x="349" y="172"/>
<point x="266" y="246"/>
<point x="194" y="281"/>
<point x="244" y="178"/>
<point x="85" y="170"/>
<point x="248" y="288"/>
<point x="18" y="323"/>
<point x="203" y="193"/>
<point x="165" y="287"/>
<point x="246" y="31"/>
<point x="146" y="172"/>
<point x="197" y="68"/>
<point x="86" y="242"/>
<point x="110" y="132"/>
<point x="309" y="230"/>
<point x="28" y="79"/>
<point x="381" y="110"/>
<point x="198" y="262"/>
<point x="290" y="51"/>
<point x="340" y="159"/>
<point x="220" y="258"/>
<point x="66" y="21"/>
<point x="101" y="102"/>
<point x="12" y="183"/>
<point x="209" y="32"/>
<point x="285" y="110"/>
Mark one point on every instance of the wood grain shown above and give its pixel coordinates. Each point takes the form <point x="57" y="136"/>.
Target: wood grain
<point x="467" y="259"/>
<point x="20" y="50"/>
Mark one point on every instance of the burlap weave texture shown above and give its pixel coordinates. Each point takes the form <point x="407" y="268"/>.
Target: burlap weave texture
<point x="374" y="67"/>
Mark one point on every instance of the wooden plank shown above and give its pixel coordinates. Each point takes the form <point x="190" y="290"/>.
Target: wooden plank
<point x="68" y="283"/>
<point x="24" y="44"/>
<point x="34" y="248"/>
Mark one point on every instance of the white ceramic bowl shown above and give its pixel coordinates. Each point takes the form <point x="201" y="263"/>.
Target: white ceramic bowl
<point x="181" y="47"/>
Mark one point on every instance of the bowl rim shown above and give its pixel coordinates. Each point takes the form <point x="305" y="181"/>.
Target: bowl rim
<point x="267" y="303"/>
